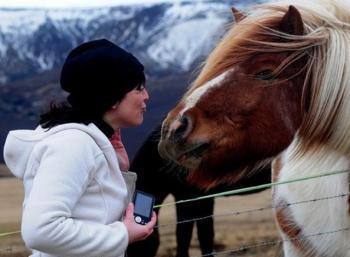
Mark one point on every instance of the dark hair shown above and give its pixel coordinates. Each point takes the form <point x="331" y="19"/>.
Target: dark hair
<point x="96" y="74"/>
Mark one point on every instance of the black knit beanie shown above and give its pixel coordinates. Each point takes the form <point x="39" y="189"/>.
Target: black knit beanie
<point x="97" y="74"/>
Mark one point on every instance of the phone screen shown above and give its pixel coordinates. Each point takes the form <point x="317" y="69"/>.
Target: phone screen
<point x="143" y="204"/>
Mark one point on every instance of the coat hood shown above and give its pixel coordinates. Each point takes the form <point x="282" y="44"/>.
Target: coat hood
<point x="19" y="144"/>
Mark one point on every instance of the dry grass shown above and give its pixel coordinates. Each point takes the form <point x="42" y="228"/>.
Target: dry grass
<point x="4" y="171"/>
<point x="232" y="231"/>
<point x="11" y="197"/>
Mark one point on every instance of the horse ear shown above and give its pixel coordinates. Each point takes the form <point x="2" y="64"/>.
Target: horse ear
<point x="237" y="14"/>
<point x="292" y="23"/>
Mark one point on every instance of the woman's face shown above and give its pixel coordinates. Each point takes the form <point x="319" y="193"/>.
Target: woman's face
<point x="129" y="111"/>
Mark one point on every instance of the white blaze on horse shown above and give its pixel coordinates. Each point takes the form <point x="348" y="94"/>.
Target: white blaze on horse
<point x="276" y="87"/>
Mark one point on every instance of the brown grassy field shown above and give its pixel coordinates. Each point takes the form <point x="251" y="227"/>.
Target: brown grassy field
<point x="231" y="231"/>
<point x="4" y="172"/>
<point x="11" y="193"/>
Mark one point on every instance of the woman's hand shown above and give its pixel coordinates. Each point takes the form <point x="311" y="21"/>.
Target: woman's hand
<point x="136" y="231"/>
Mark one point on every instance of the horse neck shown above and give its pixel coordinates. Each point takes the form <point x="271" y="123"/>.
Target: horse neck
<point x="313" y="216"/>
<point x="317" y="160"/>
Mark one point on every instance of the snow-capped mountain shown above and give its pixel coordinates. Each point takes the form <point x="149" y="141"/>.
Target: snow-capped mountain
<point x="167" y="37"/>
<point x="170" y="38"/>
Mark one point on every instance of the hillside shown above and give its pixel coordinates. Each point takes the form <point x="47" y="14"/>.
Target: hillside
<point x="170" y="38"/>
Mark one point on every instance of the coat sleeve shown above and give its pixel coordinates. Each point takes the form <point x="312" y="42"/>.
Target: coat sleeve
<point x="65" y="169"/>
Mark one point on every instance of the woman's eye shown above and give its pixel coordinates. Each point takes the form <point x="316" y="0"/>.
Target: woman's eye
<point x="265" y="75"/>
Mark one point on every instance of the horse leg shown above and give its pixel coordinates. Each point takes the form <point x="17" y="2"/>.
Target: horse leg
<point x="183" y="230"/>
<point x="205" y="227"/>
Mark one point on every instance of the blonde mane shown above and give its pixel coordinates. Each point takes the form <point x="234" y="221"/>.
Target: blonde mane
<point x="326" y="42"/>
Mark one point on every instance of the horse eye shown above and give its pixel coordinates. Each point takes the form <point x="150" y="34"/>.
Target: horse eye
<point x="265" y="75"/>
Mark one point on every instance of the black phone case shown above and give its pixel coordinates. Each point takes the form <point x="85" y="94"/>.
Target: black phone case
<point x="140" y="218"/>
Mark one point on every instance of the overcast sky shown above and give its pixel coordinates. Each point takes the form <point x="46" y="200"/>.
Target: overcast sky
<point x="72" y="3"/>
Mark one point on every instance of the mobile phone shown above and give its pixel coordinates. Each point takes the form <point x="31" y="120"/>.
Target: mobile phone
<point x="143" y="203"/>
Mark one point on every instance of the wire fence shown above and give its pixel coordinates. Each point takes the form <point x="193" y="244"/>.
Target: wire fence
<point x="255" y="188"/>
<point x="236" y="213"/>
<point x="271" y="243"/>
<point x="7" y="234"/>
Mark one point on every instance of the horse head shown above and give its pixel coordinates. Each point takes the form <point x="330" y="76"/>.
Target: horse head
<point x="259" y="87"/>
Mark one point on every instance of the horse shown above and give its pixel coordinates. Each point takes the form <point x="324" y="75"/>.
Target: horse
<point x="162" y="177"/>
<point x="276" y="88"/>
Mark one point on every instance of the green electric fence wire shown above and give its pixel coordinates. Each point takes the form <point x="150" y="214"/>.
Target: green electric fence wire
<point x="230" y="192"/>
<point x="9" y="233"/>
<point x="253" y="188"/>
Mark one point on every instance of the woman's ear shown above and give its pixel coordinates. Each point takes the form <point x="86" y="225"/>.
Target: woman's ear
<point x="111" y="110"/>
<point x="115" y="106"/>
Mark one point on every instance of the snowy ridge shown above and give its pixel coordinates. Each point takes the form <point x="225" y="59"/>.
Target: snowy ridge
<point x="168" y="37"/>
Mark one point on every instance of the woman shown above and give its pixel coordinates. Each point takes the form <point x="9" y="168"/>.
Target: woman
<point x="75" y="195"/>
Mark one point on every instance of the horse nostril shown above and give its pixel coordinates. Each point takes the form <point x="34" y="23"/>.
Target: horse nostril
<point x="179" y="132"/>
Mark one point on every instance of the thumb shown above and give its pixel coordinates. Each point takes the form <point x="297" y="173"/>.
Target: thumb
<point x="129" y="210"/>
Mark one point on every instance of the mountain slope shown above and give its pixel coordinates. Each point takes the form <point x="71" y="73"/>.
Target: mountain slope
<point x="169" y="36"/>
<point x="170" y="39"/>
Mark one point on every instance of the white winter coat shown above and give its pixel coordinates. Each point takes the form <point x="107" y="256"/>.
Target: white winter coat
<point x="75" y="195"/>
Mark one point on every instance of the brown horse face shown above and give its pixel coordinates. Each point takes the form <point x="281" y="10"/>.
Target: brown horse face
<point x="224" y="127"/>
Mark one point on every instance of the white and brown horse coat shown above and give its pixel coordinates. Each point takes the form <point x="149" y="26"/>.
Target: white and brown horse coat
<point x="276" y="86"/>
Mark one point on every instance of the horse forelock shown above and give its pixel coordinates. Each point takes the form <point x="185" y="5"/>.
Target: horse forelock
<point x="324" y="42"/>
